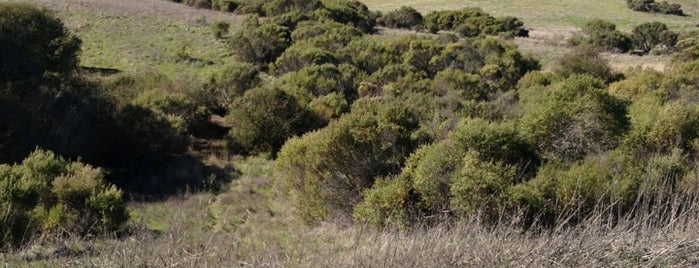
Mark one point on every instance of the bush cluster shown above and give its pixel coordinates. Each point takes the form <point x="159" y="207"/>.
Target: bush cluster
<point x="472" y="22"/>
<point x="655" y="7"/>
<point x="48" y="195"/>
<point x="603" y="35"/>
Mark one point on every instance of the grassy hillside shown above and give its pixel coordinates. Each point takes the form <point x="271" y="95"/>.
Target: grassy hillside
<point x="555" y="14"/>
<point x="138" y="36"/>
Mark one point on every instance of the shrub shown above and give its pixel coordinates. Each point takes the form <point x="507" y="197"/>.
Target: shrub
<point x="302" y="54"/>
<point x="465" y="173"/>
<point x="661" y="127"/>
<point x="386" y="203"/>
<point x="264" y="118"/>
<point x="404" y="17"/>
<point x="584" y="61"/>
<point x="327" y="34"/>
<point x="314" y="81"/>
<point x="604" y="35"/>
<point x="46" y="194"/>
<point x="472" y="22"/>
<point x="649" y="35"/>
<point x="260" y="43"/>
<point x="229" y="83"/>
<point x="328" y="169"/>
<point x="654" y="7"/>
<point x="140" y="139"/>
<point x="182" y="114"/>
<point x="350" y="12"/>
<point x="637" y="84"/>
<point x="279" y="7"/>
<point x="572" y="118"/>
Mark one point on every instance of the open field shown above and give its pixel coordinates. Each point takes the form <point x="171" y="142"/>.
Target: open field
<point x="555" y="14"/>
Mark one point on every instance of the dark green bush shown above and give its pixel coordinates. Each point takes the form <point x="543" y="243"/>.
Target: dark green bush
<point x="654" y="7"/>
<point x="185" y="116"/>
<point x="604" y="35"/>
<point x="260" y="43"/>
<point x="328" y="34"/>
<point x="41" y="47"/>
<point x="350" y="12"/>
<point x="264" y="118"/>
<point x="226" y="85"/>
<point x="279" y="7"/>
<point x="585" y="61"/>
<point x="404" y="17"/>
<point x="472" y="22"/>
<point x="302" y="54"/>
<point x="649" y="35"/>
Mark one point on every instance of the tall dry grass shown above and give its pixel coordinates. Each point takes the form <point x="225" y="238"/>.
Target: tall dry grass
<point x="253" y="225"/>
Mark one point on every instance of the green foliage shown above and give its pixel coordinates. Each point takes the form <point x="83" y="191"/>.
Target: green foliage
<point x="349" y="12"/>
<point x="182" y="114"/>
<point x="404" y="17"/>
<point x="279" y="7"/>
<point x="327" y="34"/>
<point x="654" y="7"/>
<point x="660" y="127"/>
<point x="467" y="173"/>
<point x="385" y="203"/>
<point x="584" y="61"/>
<point x="687" y="47"/>
<point x="264" y="118"/>
<point x="572" y="118"/>
<point x="46" y="194"/>
<point x="226" y="85"/>
<point x="328" y="169"/>
<point x="604" y="35"/>
<point x="314" y="81"/>
<point x="472" y="22"/>
<point x="637" y="84"/>
<point x="302" y="54"/>
<point x="260" y="43"/>
<point x="649" y="35"/>
<point x="41" y="47"/>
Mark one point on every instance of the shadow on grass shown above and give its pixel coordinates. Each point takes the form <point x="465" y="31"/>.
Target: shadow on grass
<point x="183" y="174"/>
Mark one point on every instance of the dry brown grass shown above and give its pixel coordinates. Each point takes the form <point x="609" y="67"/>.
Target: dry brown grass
<point x="252" y="224"/>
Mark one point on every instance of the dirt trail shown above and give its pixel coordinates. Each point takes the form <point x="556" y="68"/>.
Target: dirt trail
<point x="144" y="8"/>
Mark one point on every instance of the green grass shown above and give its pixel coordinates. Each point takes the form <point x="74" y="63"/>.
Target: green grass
<point x="175" y="41"/>
<point x="554" y="14"/>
